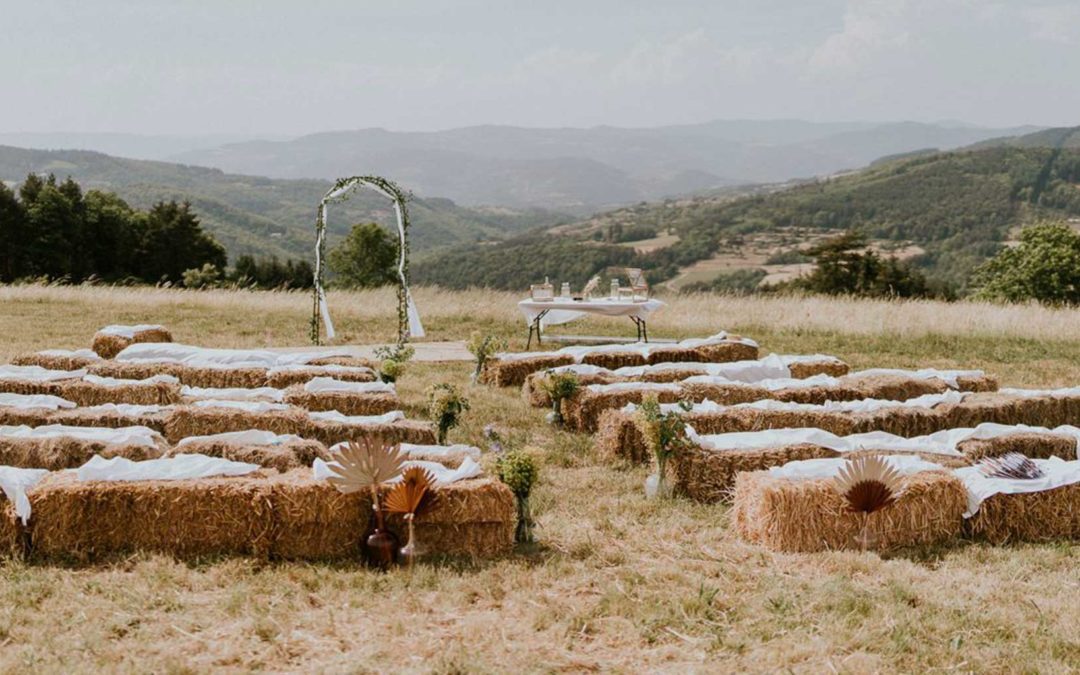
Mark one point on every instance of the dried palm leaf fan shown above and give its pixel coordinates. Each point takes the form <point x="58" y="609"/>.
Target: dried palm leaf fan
<point x="1011" y="465"/>
<point x="413" y="496"/>
<point x="367" y="465"/>
<point x="868" y="484"/>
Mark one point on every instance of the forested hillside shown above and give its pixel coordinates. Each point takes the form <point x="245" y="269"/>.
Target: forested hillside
<point x="957" y="207"/>
<point x="260" y="216"/>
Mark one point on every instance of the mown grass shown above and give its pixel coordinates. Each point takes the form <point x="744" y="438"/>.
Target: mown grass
<point x="617" y="582"/>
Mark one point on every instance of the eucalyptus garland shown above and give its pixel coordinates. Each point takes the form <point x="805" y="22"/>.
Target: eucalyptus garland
<point x="340" y="192"/>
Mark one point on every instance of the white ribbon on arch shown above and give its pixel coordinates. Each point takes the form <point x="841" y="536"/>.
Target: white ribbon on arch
<point x="416" y="328"/>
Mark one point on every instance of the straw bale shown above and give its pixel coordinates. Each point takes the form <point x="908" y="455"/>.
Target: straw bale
<point x="108" y="346"/>
<point x="708" y="475"/>
<point x="673" y="354"/>
<point x="533" y="388"/>
<point x="345" y="402"/>
<point x="810" y="515"/>
<point x="53" y="362"/>
<point x="63" y="452"/>
<point x="285" y="457"/>
<point x="89" y="520"/>
<point x="186" y="421"/>
<point x="1031" y="444"/>
<point x="890" y="387"/>
<point x="31" y="417"/>
<point x="12" y="535"/>
<point x="84" y="417"/>
<point x="1033" y="516"/>
<point x="719" y="353"/>
<point x="401" y="431"/>
<point x="667" y="375"/>
<point x="473" y="518"/>
<point x="286" y="378"/>
<point x="138" y="393"/>
<point x="982" y="382"/>
<point x="31" y="387"/>
<point x="214" y="378"/>
<point x="513" y="373"/>
<point x="583" y="410"/>
<point x="618" y="437"/>
<point x="805" y="369"/>
<point x="127" y="370"/>
<point x="613" y="360"/>
<point x="351" y="361"/>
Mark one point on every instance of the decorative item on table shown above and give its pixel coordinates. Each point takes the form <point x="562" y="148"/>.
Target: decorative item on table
<point x="638" y="284"/>
<point x="626" y="294"/>
<point x="544" y="292"/>
<point x="367" y="465"/>
<point x="564" y="292"/>
<point x="413" y="496"/>
<point x="614" y="289"/>
<point x="590" y="288"/>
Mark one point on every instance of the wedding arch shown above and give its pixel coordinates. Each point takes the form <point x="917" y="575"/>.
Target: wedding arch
<point x="408" y="318"/>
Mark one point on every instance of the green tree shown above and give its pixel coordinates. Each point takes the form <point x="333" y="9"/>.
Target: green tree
<point x="111" y="234"/>
<point x="55" y="231"/>
<point x="366" y="259"/>
<point x="845" y="267"/>
<point x="1044" y="267"/>
<point x="13" y="236"/>
<point x="175" y="242"/>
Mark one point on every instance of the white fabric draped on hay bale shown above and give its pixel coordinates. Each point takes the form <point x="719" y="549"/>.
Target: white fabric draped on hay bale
<point x="177" y="467"/>
<point x="469" y="468"/>
<point x="32" y="401"/>
<point x="1056" y="473"/>
<point x="39" y="374"/>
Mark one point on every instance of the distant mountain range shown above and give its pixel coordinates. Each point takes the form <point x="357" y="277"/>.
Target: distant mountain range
<point x="955" y="208"/>
<point x="587" y="169"/>
<point x="568" y="169"/>
<point x="262" y="216"/>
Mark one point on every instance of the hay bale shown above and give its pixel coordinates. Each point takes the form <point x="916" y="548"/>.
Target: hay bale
<point x="281" y="378"/>
<point x="1031" y="516"/>
<point x="294" y="454"/>
<point x="341" y="360"/>
<point x="583" y="410"/>
<point x="108" y="343"/>
<point x="613" y="360"/>
<point x="68" y="452"/>
<point x="804" y="369"/>
<point x="185" y="421"/>
<point x="474" y="518"/>
<point x="192" y="376"/>
<point x="26" y="417"/>
<point x="723" y="352"/>
<point x="136" y="392"/>
<point x="12" y="533"/>
<point x="1031" y="444"/>
<point x="618" y="437"/>
<point x="59" y="359"/>
<point x="533" y="388"/>
<point x="400" y="431"/>
<point x="511" y="372"/>
<point x="90" y="520"/>
<point x="113" y="416"/>
<point x="347" y="403"/>
<point x="810" y="515"/>
<point x="709" y="475"/>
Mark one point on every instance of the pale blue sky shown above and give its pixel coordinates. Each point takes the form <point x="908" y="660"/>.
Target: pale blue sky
<point x="230" y="66"/>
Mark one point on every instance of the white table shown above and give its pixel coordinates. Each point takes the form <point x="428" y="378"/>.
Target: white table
<point x="564" y="310"/>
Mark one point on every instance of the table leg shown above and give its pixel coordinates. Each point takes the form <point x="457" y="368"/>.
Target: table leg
<point x="642" y="329"/>
<point x="535" y="326"/>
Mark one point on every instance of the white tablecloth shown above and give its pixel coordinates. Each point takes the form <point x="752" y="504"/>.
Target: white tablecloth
<point x="565" y="310"/>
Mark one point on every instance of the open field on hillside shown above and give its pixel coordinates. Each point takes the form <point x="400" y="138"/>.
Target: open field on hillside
<point x="616" y="582"/>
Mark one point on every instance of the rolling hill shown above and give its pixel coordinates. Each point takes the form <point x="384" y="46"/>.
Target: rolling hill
<point x="262" y="216"/>
<point x="952" y="209"/>
<point x="584" y="169"/>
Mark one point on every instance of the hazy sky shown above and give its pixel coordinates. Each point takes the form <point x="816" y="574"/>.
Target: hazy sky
<point x="208" y="66"/>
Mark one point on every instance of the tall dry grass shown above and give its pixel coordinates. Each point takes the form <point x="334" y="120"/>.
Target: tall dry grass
<point x="696" y="314"/>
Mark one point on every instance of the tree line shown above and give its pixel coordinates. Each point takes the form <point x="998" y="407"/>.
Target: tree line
<point x="54" y="230"/>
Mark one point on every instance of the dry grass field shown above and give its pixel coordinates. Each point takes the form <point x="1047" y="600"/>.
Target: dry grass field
<point x="617" y="583"/>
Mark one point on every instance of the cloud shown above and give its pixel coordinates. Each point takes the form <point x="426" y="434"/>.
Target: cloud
<point x="869" y="28"/>
<point x="1054" y="23"/>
